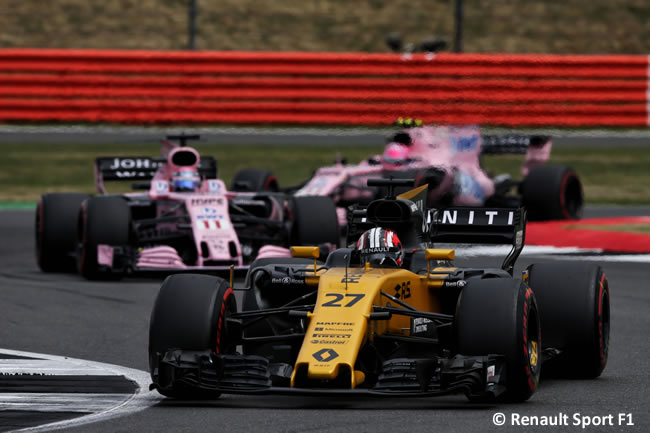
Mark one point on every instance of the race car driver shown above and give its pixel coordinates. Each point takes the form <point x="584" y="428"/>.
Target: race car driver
<point x="187" y="179"/>
<point x="380" y="247"/>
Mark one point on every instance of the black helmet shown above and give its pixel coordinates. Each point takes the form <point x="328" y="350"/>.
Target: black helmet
<point x="380" y="247"/>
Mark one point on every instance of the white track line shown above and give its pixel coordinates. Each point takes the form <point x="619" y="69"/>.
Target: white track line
<point x="106" y="406"/>
<point x="47" y="366"/>
<point x="629" y="258"/>
<point x="60" y="402"/>
<point x="549" y="252"/>
<point x="532" y="250"/>
<point x="467" y="250"/>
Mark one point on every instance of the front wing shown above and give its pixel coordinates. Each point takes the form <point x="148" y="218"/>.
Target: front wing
<point x="156" y="259"/>
<point x="475" y="376"/>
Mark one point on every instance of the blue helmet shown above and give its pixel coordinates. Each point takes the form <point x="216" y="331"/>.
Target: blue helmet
<point x="185" y="180"/>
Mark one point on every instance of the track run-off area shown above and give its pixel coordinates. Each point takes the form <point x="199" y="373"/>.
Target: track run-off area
<point x="63" y="325"/>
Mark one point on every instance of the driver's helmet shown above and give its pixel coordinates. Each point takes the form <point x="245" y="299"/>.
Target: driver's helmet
<point x="185" y="179"/>
<point x="395" y="155"/>
<point x="381" y="248"/>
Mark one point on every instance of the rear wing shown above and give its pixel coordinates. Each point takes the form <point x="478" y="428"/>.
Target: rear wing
<point x="500" y="226"/>
<point x="128" y="168"/>
<point x="511" y="143"/>
<point x="142" y="168"/>
<point x="407" y="216"/>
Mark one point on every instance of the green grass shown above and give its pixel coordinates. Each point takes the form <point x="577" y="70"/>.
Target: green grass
<point x="29" y="170"/>
<point x="609" y="175"/>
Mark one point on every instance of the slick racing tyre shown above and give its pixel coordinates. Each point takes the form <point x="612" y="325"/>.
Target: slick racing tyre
<point x="552" y="192"/>
<point x="55" y="231"/>
<point x="500" y="316"/>
<point x="314" y="221"/>
<point x="190" y="313"/>
<point x="573" y="300"/>
<point x="102" y="220"/>
<point x="254" y="180"/>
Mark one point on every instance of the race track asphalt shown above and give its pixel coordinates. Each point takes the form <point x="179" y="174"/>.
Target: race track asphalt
<point x="274" y="136"/>
<point x="108" y="322"/>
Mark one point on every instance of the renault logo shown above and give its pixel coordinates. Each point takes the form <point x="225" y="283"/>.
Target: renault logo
<point x="325" y="355"/>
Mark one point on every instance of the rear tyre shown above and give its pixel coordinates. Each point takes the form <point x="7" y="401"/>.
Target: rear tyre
<point x="254" y="180"/>
<point x="500" y="316"/>
<point x="55" y="231"/>
<point x="102" y="220"/>
<point x="314" y="221"/>
<point x="573" y="301"/>
<point x="552" y="192"/>
<point x="190" y="313"/>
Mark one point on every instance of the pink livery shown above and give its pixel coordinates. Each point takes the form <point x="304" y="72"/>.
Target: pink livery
<point x="447" y="158"/>
<point x="186" y="219"/>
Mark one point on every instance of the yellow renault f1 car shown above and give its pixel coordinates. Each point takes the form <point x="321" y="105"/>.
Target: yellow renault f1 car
<point x="418" y="327"/>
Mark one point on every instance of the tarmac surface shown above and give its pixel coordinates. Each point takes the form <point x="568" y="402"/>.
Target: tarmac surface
<point x="107" y="322"/>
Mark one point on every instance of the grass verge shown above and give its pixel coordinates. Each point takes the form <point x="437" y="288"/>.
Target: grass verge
<point x="617" y="176"/>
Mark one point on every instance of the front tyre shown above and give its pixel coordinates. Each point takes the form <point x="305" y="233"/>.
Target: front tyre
<point x="102" y="220"/>
<point x="55" y="231"/>
<point x="573" y="301"/>
<point x="500" y="316"/>
<point x="190" y="313"/>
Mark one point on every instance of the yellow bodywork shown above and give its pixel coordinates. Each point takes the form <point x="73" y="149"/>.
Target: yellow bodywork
<point x="339" y="325"/>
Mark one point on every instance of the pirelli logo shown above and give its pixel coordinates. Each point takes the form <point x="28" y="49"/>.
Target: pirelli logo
<point x="334" y="336"/>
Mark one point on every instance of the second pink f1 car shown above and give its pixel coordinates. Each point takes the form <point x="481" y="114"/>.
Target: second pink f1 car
<point x="447" y="158"/>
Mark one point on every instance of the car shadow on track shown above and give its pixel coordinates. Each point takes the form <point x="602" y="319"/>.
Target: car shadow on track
<point x="338" y="403"/>
<point x="552" y="385"/>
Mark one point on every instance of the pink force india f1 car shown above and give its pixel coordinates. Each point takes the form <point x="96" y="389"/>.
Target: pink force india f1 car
<point x="186" y="220"/>
<point x="447" y="158"/>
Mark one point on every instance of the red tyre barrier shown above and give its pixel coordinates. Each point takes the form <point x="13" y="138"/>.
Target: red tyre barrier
<point x="321" y="88"/>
